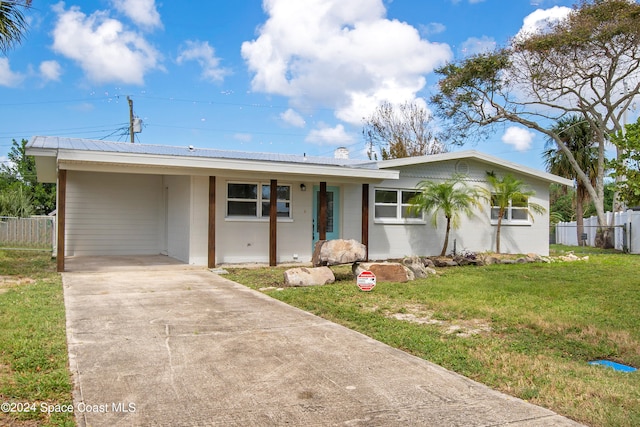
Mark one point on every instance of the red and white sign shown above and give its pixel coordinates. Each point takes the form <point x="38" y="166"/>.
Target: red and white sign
<point x="366" y="281"/>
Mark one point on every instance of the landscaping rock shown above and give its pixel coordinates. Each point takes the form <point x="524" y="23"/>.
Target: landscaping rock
<point x="303" y="276"/>
<point x="444" y="262"/>
<point x="488" y="260"/>
<point x="385" y="271"/>
<point x="338" y="251"/>
<point x="531" y="257"/>
<point x="416" y="265"/>
<point x="428" y="263"/>
<point x="462" y="261"/>
<point x="570" y="257"/>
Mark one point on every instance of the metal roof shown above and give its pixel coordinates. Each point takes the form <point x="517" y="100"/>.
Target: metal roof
<point x="79" y="144"/>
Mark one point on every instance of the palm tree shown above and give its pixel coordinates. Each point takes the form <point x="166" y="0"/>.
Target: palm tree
<point x="12" y="22"/>
<point x="508" y="191"/>
<point x="451" y="197"/>
<point x="577" y="135"/>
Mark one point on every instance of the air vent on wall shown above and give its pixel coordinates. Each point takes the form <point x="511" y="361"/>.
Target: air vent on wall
<point x="462" y="167"/>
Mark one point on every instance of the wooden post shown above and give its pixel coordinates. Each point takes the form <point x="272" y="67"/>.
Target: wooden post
<point x="211" y="257"/>
<point x="60" y="217"/>
<point x="322" y="214"/>
<point x="365" y="218"/>
<point x="273" y="223"/>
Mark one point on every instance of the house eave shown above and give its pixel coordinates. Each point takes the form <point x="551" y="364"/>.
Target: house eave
<point x="82" y="160"/>
<point x="478" y="156"/>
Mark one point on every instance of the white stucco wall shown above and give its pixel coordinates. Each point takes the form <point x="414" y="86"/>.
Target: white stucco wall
<point x="178" y="193"/>
<point x="112" y="214"/>
<point x="476" y="234"/>
<point x="199" y="220"/>
<point x="247" y="240"/>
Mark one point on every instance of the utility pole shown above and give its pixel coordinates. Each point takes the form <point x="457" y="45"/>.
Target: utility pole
<point x="130" y="118"/>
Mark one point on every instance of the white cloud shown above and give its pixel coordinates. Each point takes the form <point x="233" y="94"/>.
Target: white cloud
<point x="102" y="47"/>
<point x="340" y="54"/>
<point x="142" y="12"/>
<point x="205" y="56"/>
<point x="330" y="136"/>
<point x="433" y="28"/>
<point x="520" y="138"/>
<point x="541" y="19"/>
<point x="474" y="45"/>
<point x="292" y="118"/>
<point x="50" y="70"/>
<point x="7" y="77"/>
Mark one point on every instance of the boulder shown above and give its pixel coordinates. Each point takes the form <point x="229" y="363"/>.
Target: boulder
<point x="428" y="263"/>
<point x="338" y="251"/>
<point x="385" y="271"/>
<point x="489" y="260"/>
<point x="416" y="265"/>
<point x="444" y="262"/>
<point x="302" y="276"/>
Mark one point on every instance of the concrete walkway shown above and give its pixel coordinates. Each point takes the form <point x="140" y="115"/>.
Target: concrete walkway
<point x="169" y="345"/>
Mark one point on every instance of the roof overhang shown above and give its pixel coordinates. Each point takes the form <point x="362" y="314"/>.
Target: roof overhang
<point x="480" y="157"/>
<point x="50" y="160"/>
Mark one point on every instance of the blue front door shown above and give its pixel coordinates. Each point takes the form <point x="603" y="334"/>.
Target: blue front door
<point x="333" y="213"/>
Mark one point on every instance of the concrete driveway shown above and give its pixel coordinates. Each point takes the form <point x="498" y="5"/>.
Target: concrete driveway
<point x="171" y="345"/>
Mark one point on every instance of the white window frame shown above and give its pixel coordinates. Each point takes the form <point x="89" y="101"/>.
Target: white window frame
<point x="508" y="219"/>
<point x="258" y="202"/>
<point x="399" y="205"/>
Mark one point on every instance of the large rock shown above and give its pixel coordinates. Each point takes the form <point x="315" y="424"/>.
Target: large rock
<point x="303" y="276"/>
<point x="338" y="251"/>
<point x="416" y="265"/>
<point x="385" y="271"/>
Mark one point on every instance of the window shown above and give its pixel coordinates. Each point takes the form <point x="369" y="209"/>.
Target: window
<point x="244" y="200"/>
<point x="394" y="206"/>
<point x="516" y="213"/>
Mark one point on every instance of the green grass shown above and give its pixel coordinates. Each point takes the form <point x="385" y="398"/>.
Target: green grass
<point x="33" y="349"/>
<point x="525" y="329"/>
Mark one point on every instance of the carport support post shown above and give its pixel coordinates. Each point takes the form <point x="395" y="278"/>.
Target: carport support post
<point x="322" y="212"/>
<point x="365" y="218"/>
<point x="60" y="217"/>
<point x="211" y="256"/>
<point x="273" y="222"/>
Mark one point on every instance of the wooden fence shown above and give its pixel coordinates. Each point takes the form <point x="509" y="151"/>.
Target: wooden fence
<point x="27" y="233"/>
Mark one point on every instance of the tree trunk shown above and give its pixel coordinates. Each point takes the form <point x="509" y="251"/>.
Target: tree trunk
<point x="580" y="198"/>
<point x="500" y="214"/>
<point x="446" y="238"/>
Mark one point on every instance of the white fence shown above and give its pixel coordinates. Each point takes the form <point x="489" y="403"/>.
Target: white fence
<point x="35" y="232"/>
<point x="626" y="228"/>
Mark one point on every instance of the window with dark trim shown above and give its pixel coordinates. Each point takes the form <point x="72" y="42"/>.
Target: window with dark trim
<point x="253" y="200"/>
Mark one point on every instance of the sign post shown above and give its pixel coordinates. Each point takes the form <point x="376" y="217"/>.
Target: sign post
<point x="366" y="281"/>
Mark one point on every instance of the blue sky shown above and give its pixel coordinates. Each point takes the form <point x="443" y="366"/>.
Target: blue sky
<point x="290" y="76"/>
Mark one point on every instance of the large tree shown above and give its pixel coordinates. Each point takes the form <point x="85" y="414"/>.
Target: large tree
<point x="577" y="135"/>
<point x="403" y="130"/>
<point x="451" y="198"/>
<point x="628" y="164"/>
<point x="586" y="64"/>
<point x="18" y="180"/>
<point x="12" y="22"/>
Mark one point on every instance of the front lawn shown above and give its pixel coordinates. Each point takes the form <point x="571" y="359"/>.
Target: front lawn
<point x="33" y="349"/>
<point x="525" y="329"/>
